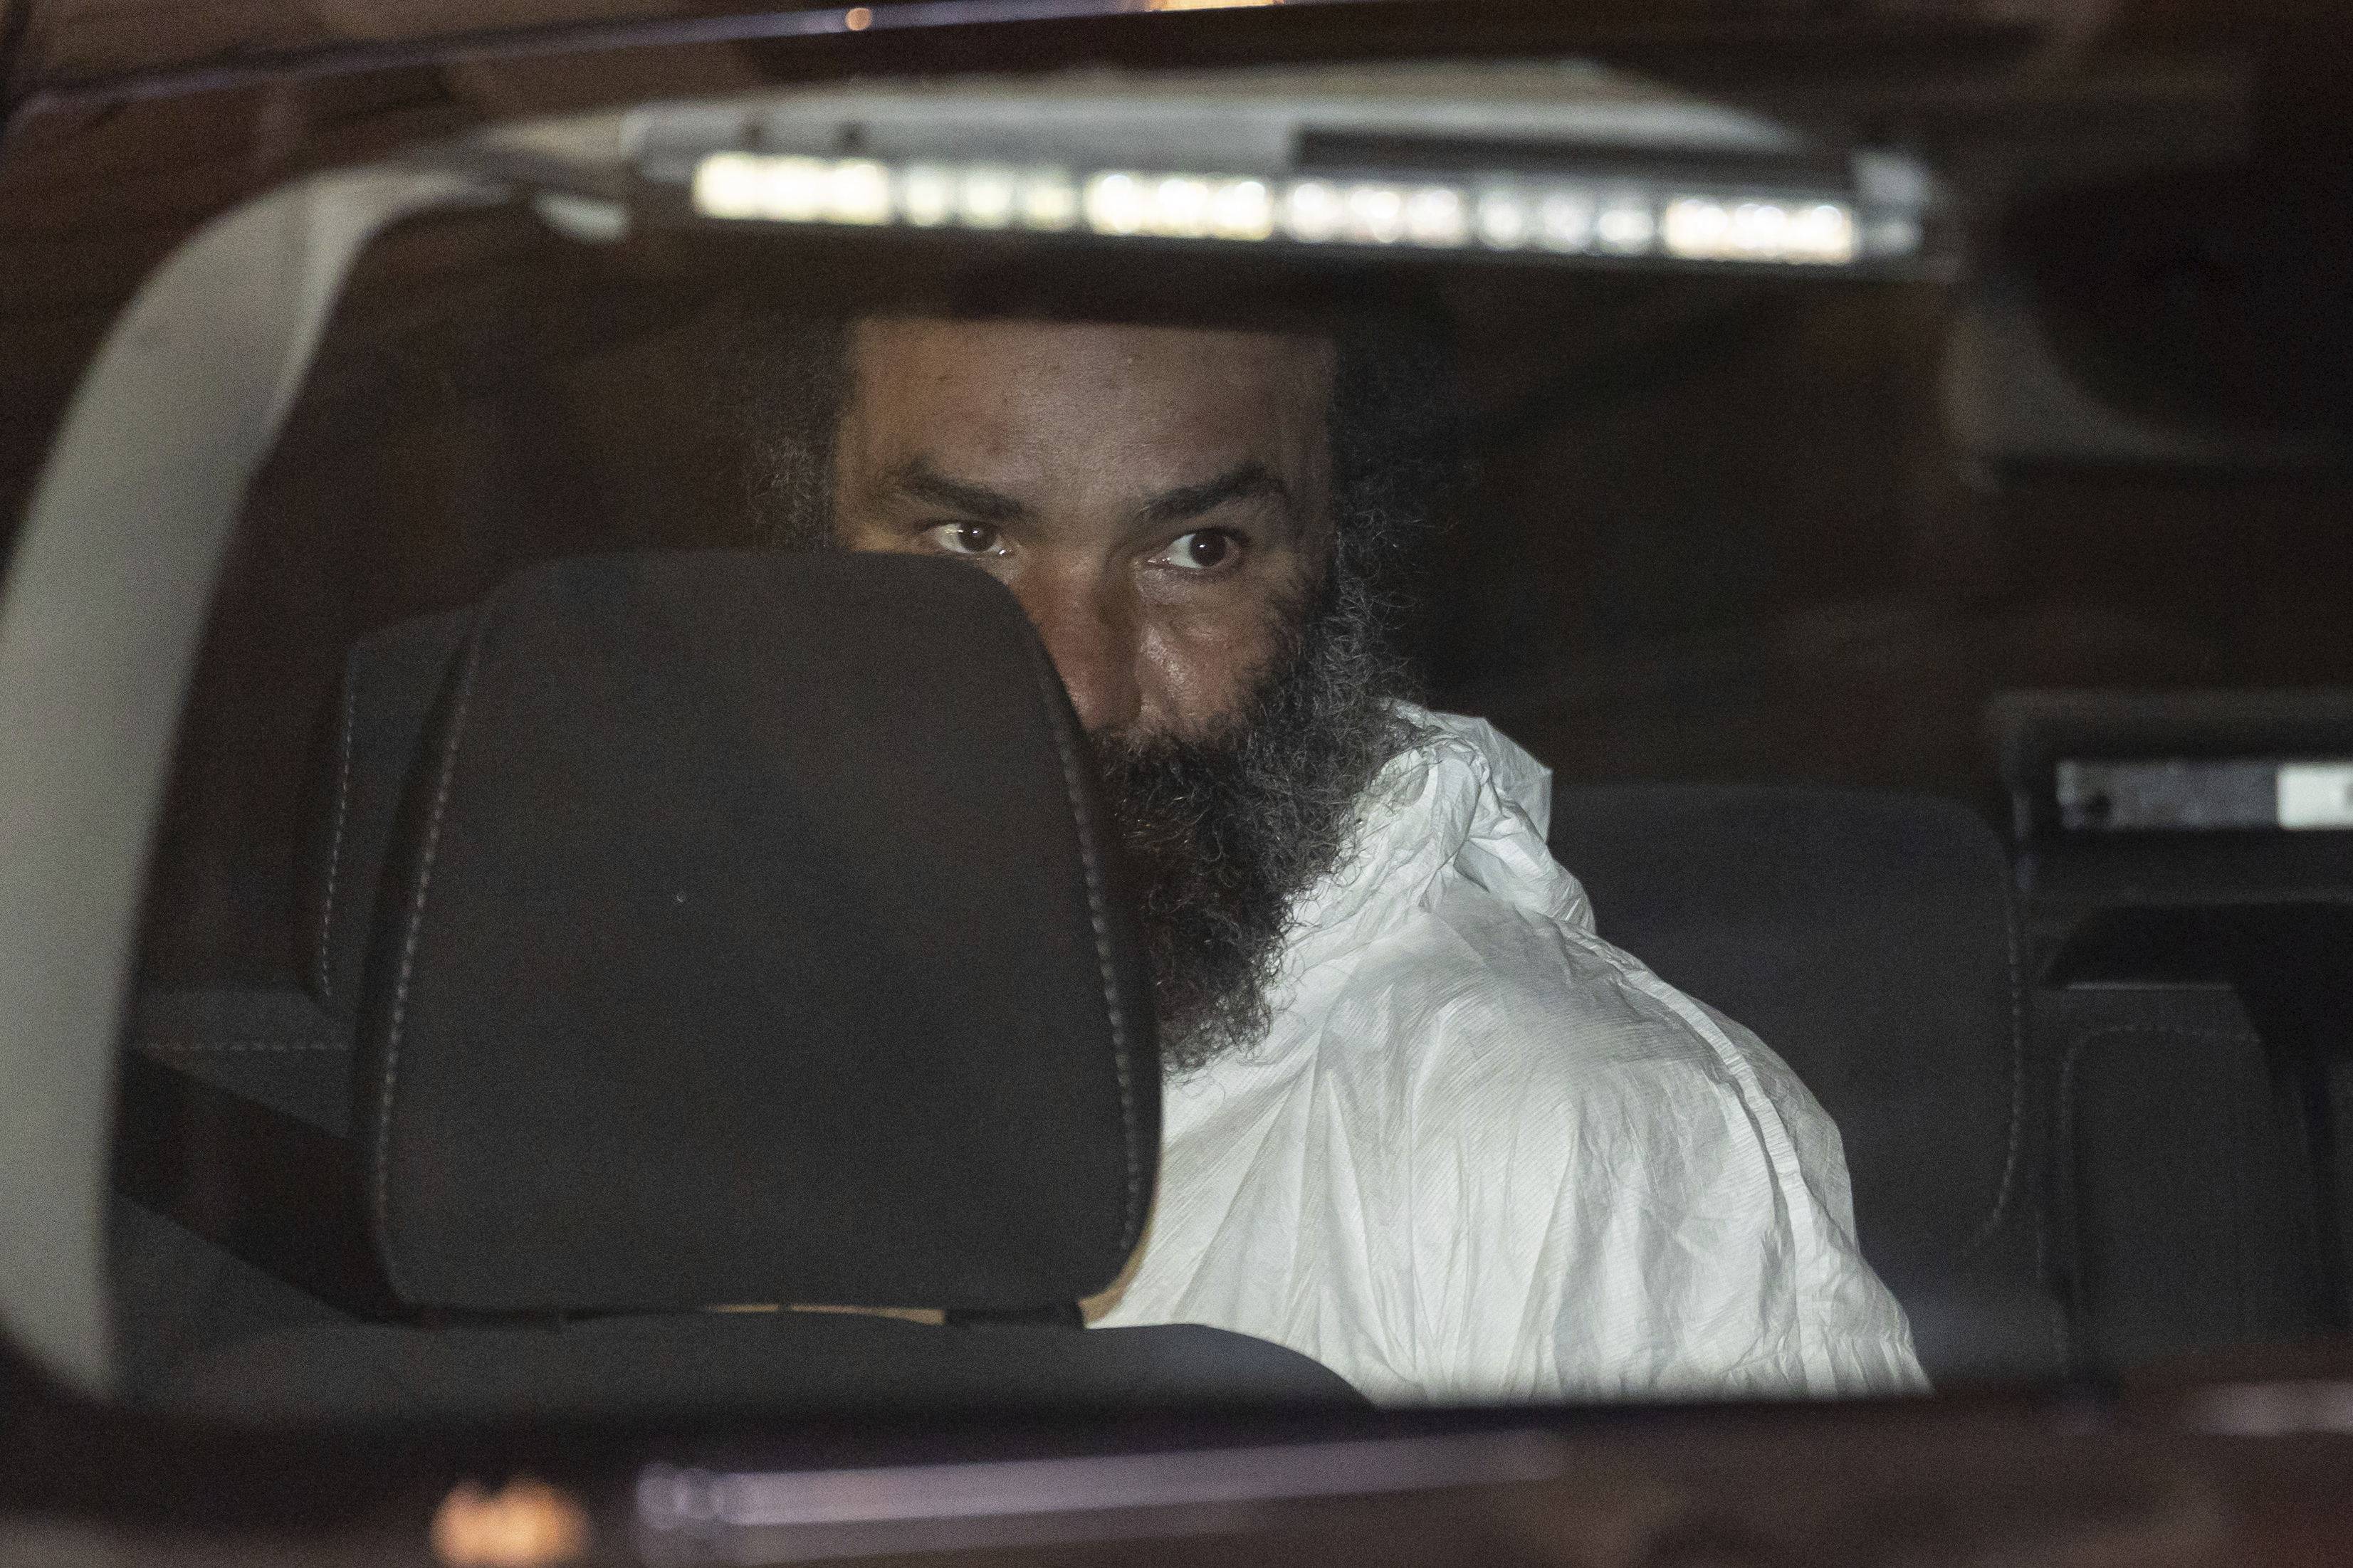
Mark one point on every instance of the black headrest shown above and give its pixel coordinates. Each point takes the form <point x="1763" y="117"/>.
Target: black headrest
<point x="749" y="933"/>
<point x="371" y="731"/>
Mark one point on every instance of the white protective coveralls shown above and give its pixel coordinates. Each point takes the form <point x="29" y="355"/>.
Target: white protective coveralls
<point x="1484" y="1155"/>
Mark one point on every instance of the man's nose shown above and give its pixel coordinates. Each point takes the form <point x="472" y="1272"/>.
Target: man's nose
<point x="1091" y="632"/>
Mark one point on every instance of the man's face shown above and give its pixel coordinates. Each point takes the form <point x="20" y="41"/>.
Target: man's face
<point x="1157" y="498"/>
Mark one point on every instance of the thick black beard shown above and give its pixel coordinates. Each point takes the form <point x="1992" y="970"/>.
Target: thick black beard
<point x="1223" y="833"/>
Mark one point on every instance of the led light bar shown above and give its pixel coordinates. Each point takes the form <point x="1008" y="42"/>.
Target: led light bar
<point x="1523" y="214"/>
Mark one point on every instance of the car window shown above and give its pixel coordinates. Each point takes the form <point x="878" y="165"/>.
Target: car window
<point x="1594" y="763"/>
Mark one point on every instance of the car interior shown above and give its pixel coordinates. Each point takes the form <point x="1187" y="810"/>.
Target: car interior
<point x="1928" y="598"/>
<point x="1999" y="995"/>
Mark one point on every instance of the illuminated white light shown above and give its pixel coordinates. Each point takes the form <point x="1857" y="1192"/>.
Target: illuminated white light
<point x="1761" y="228"/>
<point x="927" y="194"/>
<point x="1313" y="212"/>
<point x="1625" y="226"/>
<point x="986" y="200"/>
<point x="2316" y="795"/>
<point x="1048" y="200"/>
<point x="1697" y="227"/>
<point x="1562" y="218"/>
<point x="1503" y="219"/>
<point x="1241" y="209"/>
<point x="728" y="184"/>
<point x="1116" y="203"/>
<point x="1826" y="232"/>
<point x="857" y="191"/>
<point x="792" y="189"/>
<point x="1565" y="220"/>
<point x="1702" y="228"/>
<point x="1181" y="206"/>
<point x="1437" y="214"/>
<point x="1375" y="213"/>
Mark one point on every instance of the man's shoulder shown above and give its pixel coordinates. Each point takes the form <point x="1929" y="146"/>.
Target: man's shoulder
<point x="1457" y="958"/>
<point x="1511" y="1014"/>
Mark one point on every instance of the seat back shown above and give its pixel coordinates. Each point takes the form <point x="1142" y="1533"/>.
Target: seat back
<point x="2188" y="906"/>
<point x="1868" y="938"/>
<point x="750" y="934"/>
<point x="746" y="935"/>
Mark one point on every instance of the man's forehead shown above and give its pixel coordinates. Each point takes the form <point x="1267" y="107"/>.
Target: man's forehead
<point x="1088" y="418"/>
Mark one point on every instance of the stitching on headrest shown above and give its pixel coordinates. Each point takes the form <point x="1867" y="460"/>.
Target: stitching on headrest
<point x="2004" y="1192"/>
<point x="1049" y="685"/>
<point x="382" y="1153"/>
<point x="326" y="950"/>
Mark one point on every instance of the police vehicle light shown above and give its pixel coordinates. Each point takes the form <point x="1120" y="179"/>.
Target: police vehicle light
<point x="1491" y="213"/>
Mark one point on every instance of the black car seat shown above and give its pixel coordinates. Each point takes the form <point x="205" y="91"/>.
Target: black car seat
<point x="2192" y="1010"/>
<point x="747" y="937"/>
<point x="1868" y="938"/>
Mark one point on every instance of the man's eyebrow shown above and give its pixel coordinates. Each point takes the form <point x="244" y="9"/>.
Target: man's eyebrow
<point x="1251" y="478"/>
<point x="918" y="480"/>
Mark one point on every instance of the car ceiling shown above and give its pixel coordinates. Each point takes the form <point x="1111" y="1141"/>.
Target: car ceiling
<point x="131" y="122"/>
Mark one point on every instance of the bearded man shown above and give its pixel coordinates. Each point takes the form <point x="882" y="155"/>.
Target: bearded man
<point x="1421" y="1122"/>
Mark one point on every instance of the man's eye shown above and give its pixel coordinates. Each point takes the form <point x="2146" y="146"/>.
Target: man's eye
<point x="968" y="539"/>
<point x="1200" y="551"/>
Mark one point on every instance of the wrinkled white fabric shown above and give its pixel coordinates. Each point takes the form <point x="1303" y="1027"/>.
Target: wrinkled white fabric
<point x="1484" y="1155"/>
